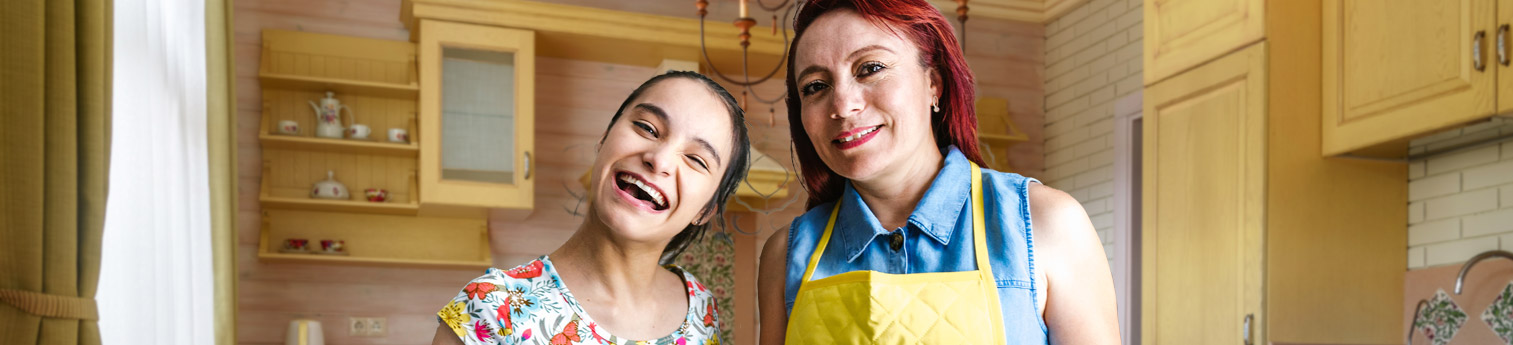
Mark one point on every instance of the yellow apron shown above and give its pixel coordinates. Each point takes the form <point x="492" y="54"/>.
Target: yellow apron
<point x="866" y="307"/>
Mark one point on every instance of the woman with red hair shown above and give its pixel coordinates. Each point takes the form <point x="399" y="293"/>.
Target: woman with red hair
<point x="907" y="239"/>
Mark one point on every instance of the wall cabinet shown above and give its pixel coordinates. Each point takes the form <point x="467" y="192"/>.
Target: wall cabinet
<point x="1247" y="231"/>
<point x="477" y="95"/>
<point x="1182" y="34"/>
<point x="1395" y="72"/>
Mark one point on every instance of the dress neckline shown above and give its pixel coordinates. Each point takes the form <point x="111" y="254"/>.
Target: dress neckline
<point x="572" y="301"/>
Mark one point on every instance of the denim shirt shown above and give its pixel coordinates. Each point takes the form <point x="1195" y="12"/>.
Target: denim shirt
<point x="937" y="238"/>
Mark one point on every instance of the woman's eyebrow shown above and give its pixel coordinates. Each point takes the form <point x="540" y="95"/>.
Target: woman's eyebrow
<point x="852" y="56"/>
<point x="662" y="114"/>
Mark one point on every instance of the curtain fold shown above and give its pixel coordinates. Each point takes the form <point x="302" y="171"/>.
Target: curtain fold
<point x="54" y="142"/>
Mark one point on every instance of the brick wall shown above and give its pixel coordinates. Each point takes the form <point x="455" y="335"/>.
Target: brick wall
<point x="1460" y="203"/>
<point x="1094" y="56"/>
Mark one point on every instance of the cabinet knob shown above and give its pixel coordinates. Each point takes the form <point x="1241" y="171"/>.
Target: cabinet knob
<point x="1245" y="329"/>
<point x="1502" y="44"/>
<point x="527" y="165"/>
<point x="1476" y="48"/>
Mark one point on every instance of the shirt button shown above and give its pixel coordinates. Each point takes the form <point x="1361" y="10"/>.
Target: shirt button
<point x="897" y="240"/>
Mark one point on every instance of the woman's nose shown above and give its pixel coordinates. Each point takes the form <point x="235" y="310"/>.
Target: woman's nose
<point x="846" y="100"/>
<point x="659" y="160"/>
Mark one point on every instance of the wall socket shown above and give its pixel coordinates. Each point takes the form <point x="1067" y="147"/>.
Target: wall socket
<point x="368" y="326"/>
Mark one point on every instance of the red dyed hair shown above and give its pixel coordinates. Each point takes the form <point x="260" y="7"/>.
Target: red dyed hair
<point x="920" y="23"/>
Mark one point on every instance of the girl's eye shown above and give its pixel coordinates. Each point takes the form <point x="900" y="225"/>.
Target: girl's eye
<point x="870" y="68"/>
<point x="813" y="87"/>
<point x="699" y="161"/>
<point x="645" y="127"/>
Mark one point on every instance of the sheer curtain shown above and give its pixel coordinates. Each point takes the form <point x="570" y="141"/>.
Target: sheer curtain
<point x="156" y="283"/>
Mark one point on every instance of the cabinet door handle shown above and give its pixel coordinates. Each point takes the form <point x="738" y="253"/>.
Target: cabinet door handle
<point x="1476" y="61"/>
<point x="527" y="165"/>
<point x="1245" y="328"/>
<point x="1502" y="44"/>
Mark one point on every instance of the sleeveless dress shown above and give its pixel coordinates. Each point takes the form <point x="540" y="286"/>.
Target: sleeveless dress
<point x="937" y="238"/>
<point x="529" y="304"/>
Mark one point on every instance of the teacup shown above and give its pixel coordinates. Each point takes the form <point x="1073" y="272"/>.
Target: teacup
<point x="295" y="244"/>
<point x="332" y="246"/>
<point x="377" y="194"/>
<point x="358" y="131"/>
<point x="288" y="127"/>
<point x="398" y="135"/>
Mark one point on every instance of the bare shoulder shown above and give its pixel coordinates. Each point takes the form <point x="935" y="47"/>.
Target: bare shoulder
<point x="773" y="270"/>
<point x="1057" y="218"/>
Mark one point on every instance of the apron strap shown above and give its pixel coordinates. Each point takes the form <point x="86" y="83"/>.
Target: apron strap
<point x="979" y="229"/>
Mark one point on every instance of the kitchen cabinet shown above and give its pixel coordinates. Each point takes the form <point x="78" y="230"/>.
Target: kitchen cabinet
<point x="477" y="95"/>
<point x="1247" y="231"/>
<point x="1395" y="72"/>
<point x="1182" y="34"/>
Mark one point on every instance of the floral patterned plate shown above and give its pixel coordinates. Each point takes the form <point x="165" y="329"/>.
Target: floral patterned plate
<point x="1441" y="319"/>
<point x="1499" y="315"/>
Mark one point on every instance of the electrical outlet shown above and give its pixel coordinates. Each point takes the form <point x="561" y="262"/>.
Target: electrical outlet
<point x="367" y="326"/>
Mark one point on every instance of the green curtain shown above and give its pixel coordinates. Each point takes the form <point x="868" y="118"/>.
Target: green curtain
<point x="54" y="152"/>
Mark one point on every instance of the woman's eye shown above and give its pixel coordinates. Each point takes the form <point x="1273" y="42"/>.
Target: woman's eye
<point x="698" y="161"/>
<point x="870" y="68"/>
<point x="813" y="87"/>
<point x="645" y="127"/>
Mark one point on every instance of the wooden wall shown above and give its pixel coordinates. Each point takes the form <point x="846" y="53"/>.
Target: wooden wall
<point x="574" y="101"/>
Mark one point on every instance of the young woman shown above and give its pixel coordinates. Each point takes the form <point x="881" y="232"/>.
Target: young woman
<point x="673" y="153"/>
<point x="907" y="239"/>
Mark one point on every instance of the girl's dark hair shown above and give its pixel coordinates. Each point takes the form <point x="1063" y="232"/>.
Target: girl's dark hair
<point x="920" y="23"/>
<point x="735" y="172"/>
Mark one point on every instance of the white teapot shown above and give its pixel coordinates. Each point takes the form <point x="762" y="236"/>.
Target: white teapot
<point x="329" y="188"/>
<point x="328" y="117"/>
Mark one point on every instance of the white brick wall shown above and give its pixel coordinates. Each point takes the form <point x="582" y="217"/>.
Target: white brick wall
<point x="1094" y="57"/>
<point x="1460" y="203"/>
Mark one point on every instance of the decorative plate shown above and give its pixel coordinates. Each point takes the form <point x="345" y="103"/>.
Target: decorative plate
<point x="1441" y="319"/>
<point x="1499" y="315"/>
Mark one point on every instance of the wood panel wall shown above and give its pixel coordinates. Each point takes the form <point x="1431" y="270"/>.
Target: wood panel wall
<point x="574" y="102"/>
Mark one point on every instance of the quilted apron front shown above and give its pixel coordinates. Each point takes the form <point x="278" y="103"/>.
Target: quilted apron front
<point x="869" y="307"/>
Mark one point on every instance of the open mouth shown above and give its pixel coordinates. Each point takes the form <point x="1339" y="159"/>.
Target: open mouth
<point x="855" y="137"/>
<point x="641" y="190"/>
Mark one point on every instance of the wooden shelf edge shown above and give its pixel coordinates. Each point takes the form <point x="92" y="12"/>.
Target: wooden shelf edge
<point x="305" y="204"/>
<point x="368" y="261"/>
<point x="279" y="141"/>
<point x="341" y="86"/>
<point x="264" y="254"/>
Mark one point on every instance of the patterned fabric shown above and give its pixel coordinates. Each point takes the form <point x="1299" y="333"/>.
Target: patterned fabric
<point x="1499" y="315"/>
<point x="713" y="258"/>
<point x="1441" y="319"/>
<point x="529" y="305"/>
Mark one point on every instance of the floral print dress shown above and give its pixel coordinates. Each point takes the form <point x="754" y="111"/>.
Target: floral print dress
<point x="529" y="305"/>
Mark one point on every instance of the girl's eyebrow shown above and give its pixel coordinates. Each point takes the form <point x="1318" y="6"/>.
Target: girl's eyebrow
<point x="662" y="115"/>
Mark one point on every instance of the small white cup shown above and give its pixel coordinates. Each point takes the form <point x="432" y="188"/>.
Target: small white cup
<point x="288" y="127"/>
<point x="399" y="135"/>
<point x="358" y="131"/>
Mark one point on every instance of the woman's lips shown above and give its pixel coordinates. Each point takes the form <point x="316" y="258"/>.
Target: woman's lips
<point x="855" y="137"/>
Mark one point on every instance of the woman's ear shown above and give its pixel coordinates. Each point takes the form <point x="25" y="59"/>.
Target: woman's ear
<point x="935" y="82"/>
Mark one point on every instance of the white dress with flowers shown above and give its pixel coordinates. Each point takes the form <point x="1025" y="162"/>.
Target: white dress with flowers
<point x="529" y="305"/>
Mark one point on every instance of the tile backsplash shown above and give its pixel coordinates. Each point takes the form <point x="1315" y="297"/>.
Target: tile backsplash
<point x="1460" y="203"/>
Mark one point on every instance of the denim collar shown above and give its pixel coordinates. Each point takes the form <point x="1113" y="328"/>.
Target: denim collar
<point x="856" y="226"/>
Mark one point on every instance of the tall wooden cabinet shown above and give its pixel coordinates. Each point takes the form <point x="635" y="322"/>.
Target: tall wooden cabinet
<point x="1181" y="34"/>
<point x="1405" y="70"/>
<point x="1248" y="232"/>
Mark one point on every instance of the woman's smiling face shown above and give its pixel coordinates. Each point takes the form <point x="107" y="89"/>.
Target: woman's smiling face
<point x="864" y="95"/>
<point x="661" y="161"/>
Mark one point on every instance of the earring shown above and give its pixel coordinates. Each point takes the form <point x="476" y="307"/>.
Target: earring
<point x="935" y="107"/>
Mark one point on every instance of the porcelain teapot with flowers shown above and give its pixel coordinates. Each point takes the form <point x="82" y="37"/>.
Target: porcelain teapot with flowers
<point x="329" y="188"/>
<point x="328" y="117"/>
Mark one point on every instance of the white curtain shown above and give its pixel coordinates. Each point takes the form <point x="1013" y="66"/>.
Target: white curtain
<point x="155" y="275"/>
